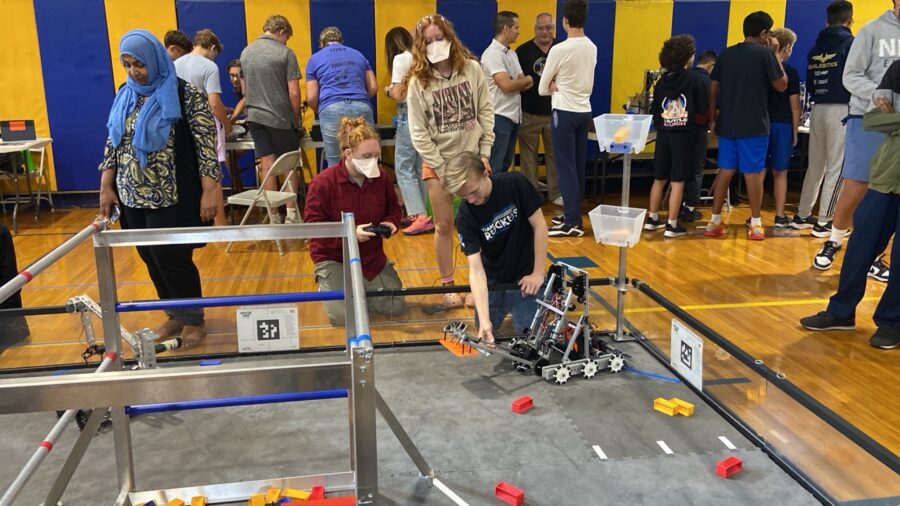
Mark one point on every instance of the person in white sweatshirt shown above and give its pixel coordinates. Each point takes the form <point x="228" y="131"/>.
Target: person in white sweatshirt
<point x="568" y="78"/>
<point x="872" y="52"/>
<point x="450" y="112"/>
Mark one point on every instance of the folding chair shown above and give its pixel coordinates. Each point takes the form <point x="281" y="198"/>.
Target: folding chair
<point x="42" y="181"/>
<point x="286" y="165"/>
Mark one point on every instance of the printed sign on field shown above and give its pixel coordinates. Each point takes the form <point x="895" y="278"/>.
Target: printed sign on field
<point x="686" y="354"/>
<point x="267" y="328"/>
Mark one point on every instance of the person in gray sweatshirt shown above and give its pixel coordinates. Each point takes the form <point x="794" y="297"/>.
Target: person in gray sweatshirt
<point x="876" y="46"/>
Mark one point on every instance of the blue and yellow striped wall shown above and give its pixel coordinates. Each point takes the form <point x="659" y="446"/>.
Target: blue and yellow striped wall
<point x="60" y="63"/>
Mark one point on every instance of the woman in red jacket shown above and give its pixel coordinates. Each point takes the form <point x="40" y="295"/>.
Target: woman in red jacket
<point x="356" y="185"/>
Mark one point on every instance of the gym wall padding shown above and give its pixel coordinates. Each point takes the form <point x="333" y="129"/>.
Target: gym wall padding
<point x="155" y="16"/>
<point x="61" y="57"/>
<point x="635" y="47"/>
<point x="21" y="82"/>
<point x="473" y="21"/>
<point x="706" y="20"/>
<point x="78" y="83"/>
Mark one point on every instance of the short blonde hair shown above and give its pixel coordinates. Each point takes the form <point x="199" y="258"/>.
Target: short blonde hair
<point x="355" y="130"/>
<point x="785" y="37"/>
<point x="276" y="23"/>
<point x="460" y="168"/>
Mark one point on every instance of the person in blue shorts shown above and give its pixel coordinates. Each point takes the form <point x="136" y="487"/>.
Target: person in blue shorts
<point x="739" y="93"/>
<point x="784" y="121"/>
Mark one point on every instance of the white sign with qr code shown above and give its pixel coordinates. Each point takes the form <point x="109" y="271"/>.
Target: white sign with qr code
<point x="686" y="354"/>
<point x="267" y="328"/>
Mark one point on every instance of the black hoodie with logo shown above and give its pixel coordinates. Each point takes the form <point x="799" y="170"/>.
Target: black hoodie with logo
<point x="825" y="66"/>
<point x="678" y="98"/>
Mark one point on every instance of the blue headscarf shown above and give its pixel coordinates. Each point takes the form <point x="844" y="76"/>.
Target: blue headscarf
<point x="161" y="108"/>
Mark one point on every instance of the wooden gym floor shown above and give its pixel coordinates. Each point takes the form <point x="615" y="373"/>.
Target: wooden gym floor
<point x="753" y="293"/>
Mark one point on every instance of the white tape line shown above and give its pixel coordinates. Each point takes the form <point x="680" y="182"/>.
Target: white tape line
<point x="599" y="452"/>
<point x="728" y="444"/>
<point x="665" y="447"/>
<point x="449" y="493"/>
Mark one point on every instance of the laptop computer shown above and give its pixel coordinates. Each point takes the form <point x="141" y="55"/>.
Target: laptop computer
<point x="17" y="130"/>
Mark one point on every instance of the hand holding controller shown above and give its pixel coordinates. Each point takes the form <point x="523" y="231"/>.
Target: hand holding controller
<point x="382" y="230"/>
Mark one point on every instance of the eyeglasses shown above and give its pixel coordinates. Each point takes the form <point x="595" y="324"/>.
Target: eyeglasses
<point x="543" y="28"/>
<point x="431" y="18"/>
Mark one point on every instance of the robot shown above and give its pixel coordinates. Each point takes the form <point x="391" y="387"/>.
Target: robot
<point x="556" y="347"/>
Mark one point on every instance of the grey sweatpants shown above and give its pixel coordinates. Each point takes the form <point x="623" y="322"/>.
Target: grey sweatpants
<point x="330" y="276"/>
<point x="826" y="157"/>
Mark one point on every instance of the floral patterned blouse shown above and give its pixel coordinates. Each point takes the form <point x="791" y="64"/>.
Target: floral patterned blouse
<point x="154" y="186"/>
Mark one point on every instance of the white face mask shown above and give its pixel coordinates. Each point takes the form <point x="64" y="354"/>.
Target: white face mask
<point x="367" y="166"/>
<point x="438" y="51"/>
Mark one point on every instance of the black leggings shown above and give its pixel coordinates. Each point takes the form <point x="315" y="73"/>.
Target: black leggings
<point x="171" y="268"/>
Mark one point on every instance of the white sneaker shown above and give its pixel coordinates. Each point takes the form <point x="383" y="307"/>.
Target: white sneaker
<point x="277" y="219"/>
<point x="293" y="217"/>
<point x="558" y="201"/>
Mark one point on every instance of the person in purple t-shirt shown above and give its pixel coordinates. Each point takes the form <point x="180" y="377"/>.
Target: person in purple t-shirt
<point x="339" y="82"/>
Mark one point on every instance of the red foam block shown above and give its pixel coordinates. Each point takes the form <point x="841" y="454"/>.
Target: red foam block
<point x="317" y="492"/>
<point x="509" y="494"/>
<point x="729" y="467"/>
<point x="522" y="404"/>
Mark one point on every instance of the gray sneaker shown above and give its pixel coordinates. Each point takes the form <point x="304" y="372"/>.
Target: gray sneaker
<point x="886" y="338"/>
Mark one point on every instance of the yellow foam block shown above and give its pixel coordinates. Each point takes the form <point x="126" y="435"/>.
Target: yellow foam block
<point x="257" y="500"/>
<point x="198" y="500"/>
<point x="273" y="495"/>
<point x="300" y="495"/>
<point x="621" y="134"/>
<point x="665" y="406"/>
<point x="683" y="408"/>
<point x="175" y="502"/>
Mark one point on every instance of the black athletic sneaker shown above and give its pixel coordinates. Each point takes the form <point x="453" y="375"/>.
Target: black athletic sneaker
<point x="825" y="321"/>
<point x="803" y="223"/>
<point x="880" y="270"/>
<point x="822" y="230"/>
<point x="782" y="222"/>
<point x="558" y="220"/>
<point x="652" y="224"/>
<point x="676" y="231"/>
<point x="688" y="216"/>
<point x="825" y="257"/>
<point x="563" y="230"/>
<point x="886" y="338"/>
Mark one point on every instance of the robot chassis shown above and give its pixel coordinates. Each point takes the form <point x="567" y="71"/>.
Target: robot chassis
<point x="555" y="347"/>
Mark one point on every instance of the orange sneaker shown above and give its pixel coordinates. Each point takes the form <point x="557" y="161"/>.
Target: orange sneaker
<point x="714" y="230"/>
<point x="756" y="233"/>
<point x="421" y="225"/>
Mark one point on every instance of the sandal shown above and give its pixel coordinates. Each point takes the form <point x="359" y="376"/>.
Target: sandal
<point x="452" y="300"/>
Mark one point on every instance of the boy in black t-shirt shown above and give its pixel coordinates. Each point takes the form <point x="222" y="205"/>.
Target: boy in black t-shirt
<point x="784" y="120"/>
<point x="740" y="86"/>
<point x="678" y="97"/>
<point x="503" y="234"/>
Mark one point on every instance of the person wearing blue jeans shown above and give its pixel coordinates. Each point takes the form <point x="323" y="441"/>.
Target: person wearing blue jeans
<point x="568" y="78"/>
<point x="506" y="131"/>
<point x="339" y="83"/>
<point x="877" y="219"/>
<point x="407" y="162"/>
<point x="504" y="237"/>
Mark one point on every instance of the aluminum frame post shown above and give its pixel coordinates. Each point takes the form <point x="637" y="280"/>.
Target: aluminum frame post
<point x="106" y="277"/>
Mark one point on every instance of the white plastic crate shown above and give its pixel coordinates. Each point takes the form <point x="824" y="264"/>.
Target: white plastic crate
<point x="617" y="226"/>
<point x="634" y="127"/>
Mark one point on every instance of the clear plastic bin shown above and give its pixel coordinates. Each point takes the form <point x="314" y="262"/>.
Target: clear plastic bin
<point x="617" y="226"/>
<point x="632" y="128"/>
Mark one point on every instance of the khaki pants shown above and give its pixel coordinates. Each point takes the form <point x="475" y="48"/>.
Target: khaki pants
<point x="330" y="276"/>
<point x="531" y="131"/>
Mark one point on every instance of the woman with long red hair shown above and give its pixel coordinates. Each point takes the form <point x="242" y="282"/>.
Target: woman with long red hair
<point x="450" y="112"/>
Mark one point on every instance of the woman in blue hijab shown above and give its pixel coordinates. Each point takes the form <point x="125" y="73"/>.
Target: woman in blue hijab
<point x="160" y="164"/>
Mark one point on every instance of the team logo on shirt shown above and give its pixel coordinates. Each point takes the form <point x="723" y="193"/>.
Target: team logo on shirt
<point x="454" y="108"/>
<point x="501" y="222"/>
<point x="538" y="66"/>
<point x="674" y="111"/>
<point x="823" y="61"/>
